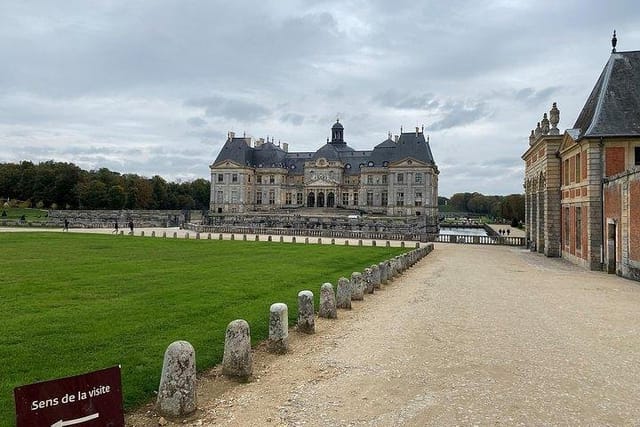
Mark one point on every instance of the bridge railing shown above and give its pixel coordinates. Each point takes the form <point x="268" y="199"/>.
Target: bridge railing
<point x="481" y="240"/>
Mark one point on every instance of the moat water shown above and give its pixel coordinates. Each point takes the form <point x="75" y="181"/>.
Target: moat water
<point x="462" y="231"/>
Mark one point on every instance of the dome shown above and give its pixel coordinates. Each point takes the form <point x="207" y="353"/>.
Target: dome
<point x="337" y="125"/>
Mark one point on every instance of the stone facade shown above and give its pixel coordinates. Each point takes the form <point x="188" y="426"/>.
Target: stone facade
<point x="398" y="177"/>
<point x="583" y="188"/>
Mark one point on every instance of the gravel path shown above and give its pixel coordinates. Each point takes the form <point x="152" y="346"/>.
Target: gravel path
<point x="471" y="335"/>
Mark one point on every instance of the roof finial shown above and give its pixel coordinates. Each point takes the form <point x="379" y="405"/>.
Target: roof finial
<point x="614" y="42"/>
<point x="400" y="129"/>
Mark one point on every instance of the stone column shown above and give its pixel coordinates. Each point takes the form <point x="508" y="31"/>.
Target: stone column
<point x="375" y="276"/>
<point x="328" y="302"/>
<point x="177" y="390"/>
<point x="357" y="287"/>
<point x="344" y="293"/>
<point x="278" y="328"/>
<point x="306" y="313"/>
<point x="367" y="280"/>
<point x="237" y="361"/>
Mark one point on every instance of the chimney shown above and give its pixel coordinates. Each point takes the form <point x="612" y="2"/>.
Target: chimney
<point x="285" y="147"/>
<point x="259" y="142"/>
<point x="395" y="138"/>
<point x="232" y="135"/>
<point x="417" y="130"/>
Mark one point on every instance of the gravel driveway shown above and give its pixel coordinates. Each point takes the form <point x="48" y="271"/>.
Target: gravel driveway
<point x="471" y="335"/>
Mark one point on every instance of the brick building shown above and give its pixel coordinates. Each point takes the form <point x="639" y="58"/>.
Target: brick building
<point x="583" y="188"/>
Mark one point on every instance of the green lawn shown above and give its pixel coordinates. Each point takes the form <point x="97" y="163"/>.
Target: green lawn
<point x="29" y="214"/>
<point x="72" y="303"/>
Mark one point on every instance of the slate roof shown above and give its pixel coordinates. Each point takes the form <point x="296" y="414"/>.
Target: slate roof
<point x="613" y="108"/>
<point x="409" y="144"/>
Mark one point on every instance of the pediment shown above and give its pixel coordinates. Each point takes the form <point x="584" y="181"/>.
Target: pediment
<point x="227" y="164"/>
<point x="568" y="140"/>
<point x="322" y="182"/>
<point x="408" y="162"/>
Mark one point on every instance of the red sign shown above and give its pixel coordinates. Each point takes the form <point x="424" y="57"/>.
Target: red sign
<point x="88" y="400"/>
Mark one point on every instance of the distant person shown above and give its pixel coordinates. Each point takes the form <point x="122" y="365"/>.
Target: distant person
<point x="131" y="227"/>
<point x="66" y="225"/>
<point x="116" y="227"/>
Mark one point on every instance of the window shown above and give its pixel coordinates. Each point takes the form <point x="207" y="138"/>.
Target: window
<point x="259" y="179"/>
<point x="355" y="199"/>
<point x="578" y="228"/>
<point x="400" y="178"/>
<point x="259" y="198"/>
<point x="369" y="198"/>
<point x="566" y="172"/>
<point x="369" y="179"/>
<point x="220" y="177"/>
<point x="400" y="199"/>
<point x="234" y="177"/>
<point x="345" y="199"/>
<point x="384" y="178"/>
<point x="418" y="178"/>
<point x="287" y="198"/>
<point x="370" y="164"/>
<point x="566" y="226"/>
<point x="272" y="197"/>
<point x="637" y="156"/>
<point x="234" y="196"/>
<point x="220" y="197"/>
<point x="272" y="179"/>
<point x="418" y="198"/>
<point x="299" y="198"/>
<point x="578" y="168"/>
<point x="384" y="199"/>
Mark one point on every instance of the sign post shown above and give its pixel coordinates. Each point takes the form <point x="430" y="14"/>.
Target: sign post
<point x="89" y="400"/>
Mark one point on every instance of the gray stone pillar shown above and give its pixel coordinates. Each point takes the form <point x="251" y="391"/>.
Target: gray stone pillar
<point x="375" y="276"/>
<point x="237" y="361"/>
<point x="175" y="234"/>
<point x="357" y="287"/>
<point x="198" y="236"/>
<point x="293" y="239"/>
<point x="281" y="239"/>
<point x="257" y="238"/>
<point x="153" y="233"/>
<point x="383" y="273"/>
<point x="319" y="240"/>
<point x="306" y="240"/>
<point x="233" y="237"/>
<point x="367" y="280"/>
<point x="164" y="234"/>
<point x="220" y="236"/>
<point x="208" y="236"/>
<point x="333" y="241"/>
<point x="344" y="293"/>
<point x="373" y="243"/>
<point x="244" y="237"/>
<point x="328" y="302"/>
<point x="142" y="233"/>
<point x="186" y="236"/>
<point x="306" y="313"/>
<point x="177" y="390"/>
<point x="269" y="239"/>
<point x="278" y="328"/>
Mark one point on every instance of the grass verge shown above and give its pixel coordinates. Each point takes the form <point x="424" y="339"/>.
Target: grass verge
<point x="73" y="303"/>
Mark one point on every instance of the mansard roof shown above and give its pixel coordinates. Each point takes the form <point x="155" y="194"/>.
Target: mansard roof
<point x="237" y="150"/>
<point x="613" y="108"/>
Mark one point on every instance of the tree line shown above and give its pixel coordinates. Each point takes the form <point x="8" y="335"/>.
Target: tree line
<point x="509" y="207"/>
<point x="57" y="185"/>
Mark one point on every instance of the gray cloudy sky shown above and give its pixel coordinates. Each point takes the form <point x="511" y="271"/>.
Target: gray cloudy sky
<point x="152" y="87"/>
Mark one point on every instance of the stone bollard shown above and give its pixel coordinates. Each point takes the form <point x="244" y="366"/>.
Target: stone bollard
<point x="333" y="241"/>
<point x="402" y="244"/>
<point x="269" y="239"/>
<point x="281" y="239"/>
<point x="373" y="243"/>
<point x="319" y="241"/>
<point x="346" y="243"/>
<point x="306" y="240"/>
<point x="417" y="245"/>
<point x="153" y="233"/>
<point x="306" y="313"/>
<point x="344" y="293"/>
<point x="237" y="361"/>
<point x="164" y="234"/>
<point x="121" y="233"/>
<point x="328" y="302"/>
<point x="388" y="244"/>
<point x="220" y="236"/>
<point x="233" y="237"/>
<point x="375" y="276"/>
<point x="357" y="287"/>
<point x="177" y="391"/>
<point x="367" y="280"/>
<point x="244" y="237"/>
<point x="142" y="233"/>
<point x="198" y="236"/>
<point x="383" y="273"/>
<point x="293" y="239"/>
<point x="278" y="328"/>
<point x="208" y="236"/>
<point x="257" y="238"/>
<point x="175" y="234"/>
<point x="360" y="242"/>
<point x="186" y="236"/>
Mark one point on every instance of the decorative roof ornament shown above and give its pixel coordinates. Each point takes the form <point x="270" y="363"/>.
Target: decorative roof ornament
<point x="554" y="119"/>
<point x="532" y="138"/>
<point x="614" y="42"/>
<point x="538" y="131"/>
<point x="544" y="124"/>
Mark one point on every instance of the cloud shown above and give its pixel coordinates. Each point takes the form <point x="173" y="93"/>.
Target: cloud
<point x="458" y="113"/>
<point x="196" y="122"/>
<point x="405" y="100"/>
<point x="229" y="108"/>
<point x="293" y="118"/>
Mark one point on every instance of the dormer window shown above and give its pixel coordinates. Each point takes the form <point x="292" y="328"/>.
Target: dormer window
<point x="370" y="164"/>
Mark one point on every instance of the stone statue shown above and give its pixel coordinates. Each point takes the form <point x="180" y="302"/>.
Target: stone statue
<point x="554" y="119"/>
<point x="545" y="124"/>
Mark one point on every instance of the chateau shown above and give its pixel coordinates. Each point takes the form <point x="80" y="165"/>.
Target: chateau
<point x="583" y="187"/>
<point x="398" y="177"/>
